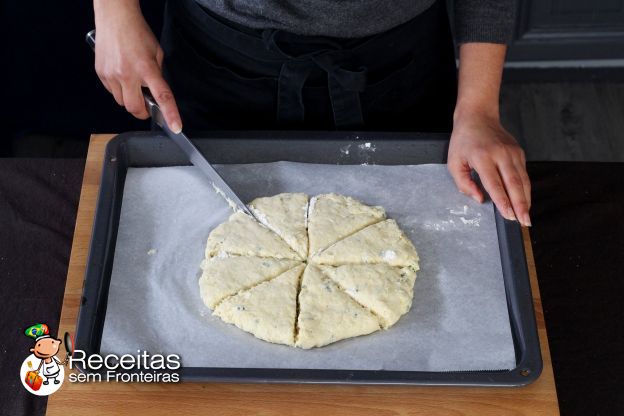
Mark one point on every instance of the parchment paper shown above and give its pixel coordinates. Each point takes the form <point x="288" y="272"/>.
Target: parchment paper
<point x="458" y="321"/>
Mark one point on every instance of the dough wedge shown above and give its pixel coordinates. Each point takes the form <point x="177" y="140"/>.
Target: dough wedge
<point x="327" y="314"/>
<point x="332" y="217"/>
<point x="387" y="291"/>
<point x="225" y="276"/>
<point x="383" y="242"/>
<point x="286" y="215"/>
<point x="244" y="236"/>
<point x="268" y="310"/>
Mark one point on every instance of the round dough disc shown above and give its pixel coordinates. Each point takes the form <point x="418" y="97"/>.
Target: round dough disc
<point x="310" y="272"/>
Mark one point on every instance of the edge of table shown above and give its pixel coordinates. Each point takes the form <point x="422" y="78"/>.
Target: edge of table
<point x="108" y="398"/>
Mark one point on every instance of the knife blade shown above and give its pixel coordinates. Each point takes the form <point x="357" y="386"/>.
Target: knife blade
<point x="186" y="145"/>
<point x="195" y="157"/>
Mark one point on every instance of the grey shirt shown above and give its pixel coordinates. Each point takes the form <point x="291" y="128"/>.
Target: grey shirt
<point x="474" y="20"/>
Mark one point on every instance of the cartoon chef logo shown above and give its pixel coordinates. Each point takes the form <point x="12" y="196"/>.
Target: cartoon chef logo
<point x="42" y="373"/>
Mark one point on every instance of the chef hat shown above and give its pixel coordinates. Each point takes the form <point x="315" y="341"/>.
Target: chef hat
<point x="38" y="331"/>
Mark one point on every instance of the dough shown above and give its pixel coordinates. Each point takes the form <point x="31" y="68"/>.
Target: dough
<point x="261" y="278"/>
<point x="327" y="314"/>
<point x="224" y="276"/>
<point x="287" y="216"/>
<point x="385" y="290"/>
<point x="332" y="217"/>
<point x="268" y="311"/>
<point x="244" y="236"/>
<point x="383" y="242"/>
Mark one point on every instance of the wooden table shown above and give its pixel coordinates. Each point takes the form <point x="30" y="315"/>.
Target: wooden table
<point x="94" y="399"/>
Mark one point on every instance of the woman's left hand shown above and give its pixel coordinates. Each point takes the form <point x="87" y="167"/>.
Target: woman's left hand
<point x="481" y="143"/>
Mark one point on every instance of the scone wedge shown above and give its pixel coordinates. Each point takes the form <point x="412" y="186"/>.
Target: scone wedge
<point x="225" y="276"/>
<point x="385" y="290"/>
<point x="327" y="314"/>
<point x="268" y="310"/>
<point x="383" y="242"/>
<point x="286" y="215"/>
<point x="332" y="217"/>
<point x="242" y="235"/>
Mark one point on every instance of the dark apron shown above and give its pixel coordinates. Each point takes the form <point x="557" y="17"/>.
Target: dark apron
<point x="227" y="76"/>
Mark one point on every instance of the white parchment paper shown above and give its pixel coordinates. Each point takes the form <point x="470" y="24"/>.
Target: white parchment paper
<point x="458" y="321"/>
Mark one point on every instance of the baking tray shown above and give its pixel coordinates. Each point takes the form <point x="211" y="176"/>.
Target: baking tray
<point x="151" y="149"/>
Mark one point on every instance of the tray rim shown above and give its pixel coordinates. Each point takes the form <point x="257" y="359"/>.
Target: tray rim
<point x="529" y="363"/>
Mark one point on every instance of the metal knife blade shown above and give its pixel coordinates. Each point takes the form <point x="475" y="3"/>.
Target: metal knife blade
<point x="195" y="157"/>
<point x="187" y="146"/>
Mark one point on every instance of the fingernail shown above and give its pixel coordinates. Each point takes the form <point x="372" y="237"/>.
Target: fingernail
<point x="526" y="220"/>
<point x="476" y="198"/>
<point x="176" y="127"/>
<point x="511" y="216"/>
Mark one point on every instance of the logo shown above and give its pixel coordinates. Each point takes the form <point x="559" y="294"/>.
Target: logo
<point x="42" y="373"/>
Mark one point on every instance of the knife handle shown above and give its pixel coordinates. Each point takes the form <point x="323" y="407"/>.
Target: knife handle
<point x="150" y="103"/>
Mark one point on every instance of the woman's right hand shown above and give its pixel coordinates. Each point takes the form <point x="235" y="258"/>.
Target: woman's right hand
<point x="128" y="56"/>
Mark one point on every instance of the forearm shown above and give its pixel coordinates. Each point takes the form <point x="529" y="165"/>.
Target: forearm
<point x="102" y="6"/>
<point x="480" y="73"/>
<point x="115" y="11"/>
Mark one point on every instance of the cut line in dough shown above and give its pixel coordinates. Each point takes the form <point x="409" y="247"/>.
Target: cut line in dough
<point x="383" y="242"/>
<point x="285" y="215"/>
<point x="385" y="290"/>
<point x="268" y="310"/>
<point x="244" y="236"/>
<point x="225" y="276"/>
<point x="333" y="217"/>
<point x="327" y="314"/>
<point x="255" y="276"/>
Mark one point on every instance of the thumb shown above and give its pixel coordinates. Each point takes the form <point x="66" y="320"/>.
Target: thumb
<point x="460" y="171"/>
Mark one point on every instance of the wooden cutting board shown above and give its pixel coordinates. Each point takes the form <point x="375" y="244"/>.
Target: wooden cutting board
<point x="94" y="399"/>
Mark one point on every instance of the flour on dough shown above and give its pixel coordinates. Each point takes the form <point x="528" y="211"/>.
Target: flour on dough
<point x="327" y="314"/>
<point x="225" y="276"/>
<point x="268" y="310"/>
<point x="387" y="291"/>
<point x="333" y="217"/>
<point x="244" y="236"/>
<point x="383" y="242"/>
<point x="286" y="215"/>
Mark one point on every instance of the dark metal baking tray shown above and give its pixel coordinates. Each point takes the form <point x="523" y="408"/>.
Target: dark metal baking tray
<point x="150" y="149"/>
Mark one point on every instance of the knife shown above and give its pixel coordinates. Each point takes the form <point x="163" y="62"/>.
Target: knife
<point x="187" y="146"/>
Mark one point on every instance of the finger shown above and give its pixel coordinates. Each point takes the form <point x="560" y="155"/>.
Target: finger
<point x="164" y="97"/>
<point x="491" y="180"/>
<point x="526" y="181"/>
<point x="115" y="89"/>
<point x="515" y="190"/>
<point x="133" y="100"/>
<point x="159" y="57"/>
<point x="106" y="85"/>
<point x="463" y="180"/>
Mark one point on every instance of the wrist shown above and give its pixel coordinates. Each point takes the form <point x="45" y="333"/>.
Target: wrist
<point x="470" y="110"/>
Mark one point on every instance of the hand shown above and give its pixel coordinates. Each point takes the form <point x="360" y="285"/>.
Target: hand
<point x="128" y="56"/>
<point x="479" y="142"/>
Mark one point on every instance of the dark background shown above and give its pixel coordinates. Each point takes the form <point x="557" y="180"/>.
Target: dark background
<point x="563" y="98"/>
<point x="51" y="88"/>
<point x="562" y="80"/>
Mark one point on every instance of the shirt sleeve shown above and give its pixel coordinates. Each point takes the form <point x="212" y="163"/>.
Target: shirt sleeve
<point x="490" y="21"/>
